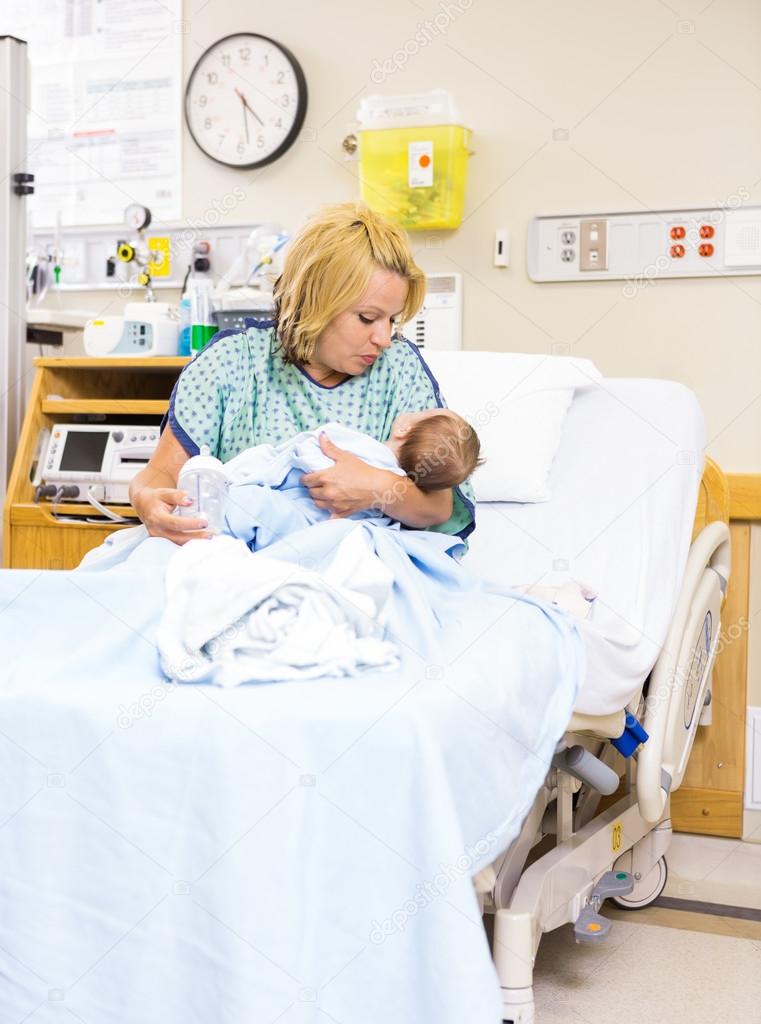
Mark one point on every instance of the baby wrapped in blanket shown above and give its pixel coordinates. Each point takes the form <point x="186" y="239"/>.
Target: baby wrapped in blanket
<point x="232" y="617"/>
<point x="436" y="449"/>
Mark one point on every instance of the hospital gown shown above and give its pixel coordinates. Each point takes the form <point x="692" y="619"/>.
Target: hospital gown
<point x="239" y="392"/>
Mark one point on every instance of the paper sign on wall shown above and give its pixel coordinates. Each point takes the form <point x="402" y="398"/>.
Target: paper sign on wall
<point x="105" y="105"/>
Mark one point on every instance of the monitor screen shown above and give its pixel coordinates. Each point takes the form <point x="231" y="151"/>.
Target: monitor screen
<point x="83" y="451"/>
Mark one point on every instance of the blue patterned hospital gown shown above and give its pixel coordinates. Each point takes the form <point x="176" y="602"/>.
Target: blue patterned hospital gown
<point x="239" y="392"/>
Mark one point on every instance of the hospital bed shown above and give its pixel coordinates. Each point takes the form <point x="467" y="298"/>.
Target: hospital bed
<point x="306" y="849"/>
<point x="626" y="482"/>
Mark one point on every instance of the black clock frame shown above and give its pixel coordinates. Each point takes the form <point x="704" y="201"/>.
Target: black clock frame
<point x="301" y="107"/>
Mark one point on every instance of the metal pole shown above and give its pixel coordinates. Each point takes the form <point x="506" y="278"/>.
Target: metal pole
<point x="15" y="184"/>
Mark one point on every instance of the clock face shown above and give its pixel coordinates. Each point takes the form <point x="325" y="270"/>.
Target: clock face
<point x="245" y="101"/>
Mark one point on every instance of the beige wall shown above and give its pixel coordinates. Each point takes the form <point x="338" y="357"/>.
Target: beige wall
<point x="662" y="109"/>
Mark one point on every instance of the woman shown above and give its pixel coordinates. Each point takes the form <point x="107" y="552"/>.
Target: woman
<point x="331" y="353"/>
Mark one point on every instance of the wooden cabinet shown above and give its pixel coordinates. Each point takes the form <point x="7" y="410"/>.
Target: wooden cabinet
<point x="710" y="799"/>
<point x="118" y="389"/>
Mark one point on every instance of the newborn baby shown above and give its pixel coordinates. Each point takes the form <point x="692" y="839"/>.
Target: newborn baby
<point x="436" y="448"/>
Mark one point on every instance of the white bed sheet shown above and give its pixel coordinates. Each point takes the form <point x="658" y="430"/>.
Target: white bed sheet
<point x="624" y="485"/>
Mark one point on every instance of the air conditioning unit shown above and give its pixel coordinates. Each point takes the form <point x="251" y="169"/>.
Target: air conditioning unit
<point x="438" y="325"/>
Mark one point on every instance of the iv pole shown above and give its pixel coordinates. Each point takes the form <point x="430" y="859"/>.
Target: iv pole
<point x="15" y="184"/>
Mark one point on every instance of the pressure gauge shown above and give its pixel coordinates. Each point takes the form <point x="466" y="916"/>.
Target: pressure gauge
<point x="137" y="217"/>
<point x="246" y="100"/>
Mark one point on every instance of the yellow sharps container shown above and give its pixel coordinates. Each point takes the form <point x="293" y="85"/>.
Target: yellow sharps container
<point x="413" y="155"/>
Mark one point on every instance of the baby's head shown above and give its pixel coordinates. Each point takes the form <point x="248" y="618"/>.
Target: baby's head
<point x="436" y="448"/>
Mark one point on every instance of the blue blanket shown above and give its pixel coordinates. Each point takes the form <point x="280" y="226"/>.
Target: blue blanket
<point x="294" y="851"/>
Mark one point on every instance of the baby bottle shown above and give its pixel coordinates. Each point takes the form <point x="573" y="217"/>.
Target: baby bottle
<point x="204" y="480"/>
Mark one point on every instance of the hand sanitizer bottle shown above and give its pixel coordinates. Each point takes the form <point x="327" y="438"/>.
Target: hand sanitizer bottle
<point x="203" y="479"/>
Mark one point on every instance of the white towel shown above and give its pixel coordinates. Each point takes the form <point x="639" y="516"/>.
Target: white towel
<point x="234" y="617"/>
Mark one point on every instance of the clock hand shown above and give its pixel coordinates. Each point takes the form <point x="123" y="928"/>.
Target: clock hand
<point x="245" y="113"/>
<point x="245" y="101"/>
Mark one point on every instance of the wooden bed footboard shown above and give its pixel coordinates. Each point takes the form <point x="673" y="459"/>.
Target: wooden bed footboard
<point x="713" y="497"/>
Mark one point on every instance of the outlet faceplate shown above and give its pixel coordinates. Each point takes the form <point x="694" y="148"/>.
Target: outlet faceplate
<point x="593" y="245"/>
<point x="643" y="247"/>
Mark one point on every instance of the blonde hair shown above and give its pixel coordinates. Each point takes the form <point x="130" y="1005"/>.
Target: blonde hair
<point x="440" y="452"/>
<point x="328" y="268"/>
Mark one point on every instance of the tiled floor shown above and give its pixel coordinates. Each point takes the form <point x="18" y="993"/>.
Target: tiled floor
<point x="666" y="965"/>
<point x="688" y="921"/>
<point x="714" y="870"/>
<point x="645" y="973"/>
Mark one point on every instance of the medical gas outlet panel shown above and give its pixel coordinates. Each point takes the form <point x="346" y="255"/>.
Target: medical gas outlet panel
<point x="641" y="247"/>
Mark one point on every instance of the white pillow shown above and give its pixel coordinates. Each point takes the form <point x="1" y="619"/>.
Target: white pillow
<point x="517" y="403"/>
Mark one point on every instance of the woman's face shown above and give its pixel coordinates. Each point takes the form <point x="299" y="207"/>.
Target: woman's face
<point x="354" y="339"/>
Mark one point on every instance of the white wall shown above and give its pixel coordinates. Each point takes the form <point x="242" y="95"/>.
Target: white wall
<point x="662" y="102"/>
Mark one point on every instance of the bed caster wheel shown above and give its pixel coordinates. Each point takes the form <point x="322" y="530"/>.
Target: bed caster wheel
<point x="646" y="889"/>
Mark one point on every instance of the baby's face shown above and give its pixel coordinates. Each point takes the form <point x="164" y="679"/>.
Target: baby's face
<point x="405" y="421"/>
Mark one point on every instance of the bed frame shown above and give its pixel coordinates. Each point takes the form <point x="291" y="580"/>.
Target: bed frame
<point x="570" y="855"/>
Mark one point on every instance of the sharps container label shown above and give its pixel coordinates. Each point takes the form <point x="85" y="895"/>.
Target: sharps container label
<point x="420" y="162"/>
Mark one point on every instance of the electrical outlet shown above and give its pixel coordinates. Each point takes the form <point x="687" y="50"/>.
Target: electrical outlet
<point x="593" y="245"/>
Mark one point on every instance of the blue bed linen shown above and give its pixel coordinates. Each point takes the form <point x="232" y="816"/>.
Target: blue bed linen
<point x="290" y="852"/>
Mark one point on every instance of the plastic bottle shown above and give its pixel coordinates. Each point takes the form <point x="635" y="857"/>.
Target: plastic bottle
<point x="203" y="479"/>
<point x="183" y="349"/>
<point x="202" y="326"/>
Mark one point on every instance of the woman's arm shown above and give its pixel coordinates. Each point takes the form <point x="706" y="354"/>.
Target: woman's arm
<point x="153" y="493"/>
<point x="351" y="485"/>
<point x="414" y="389"/>
<point x="413" y="507"/>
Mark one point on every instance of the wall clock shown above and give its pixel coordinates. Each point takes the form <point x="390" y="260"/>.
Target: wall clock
<point x="245" y="100"/>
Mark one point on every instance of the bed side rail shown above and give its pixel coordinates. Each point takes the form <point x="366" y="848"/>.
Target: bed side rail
<point x="681" y="675"/>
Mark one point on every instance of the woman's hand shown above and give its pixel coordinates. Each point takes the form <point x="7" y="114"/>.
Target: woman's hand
<point x="350" y="485"/>
<point x="154" y="494"/>
<point x="155" y="506"/>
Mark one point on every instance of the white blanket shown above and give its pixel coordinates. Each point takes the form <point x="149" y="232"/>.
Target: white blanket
<point x="232" y="617"/>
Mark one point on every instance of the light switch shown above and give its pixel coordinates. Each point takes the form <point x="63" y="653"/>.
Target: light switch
<point x="502" y="247"/>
